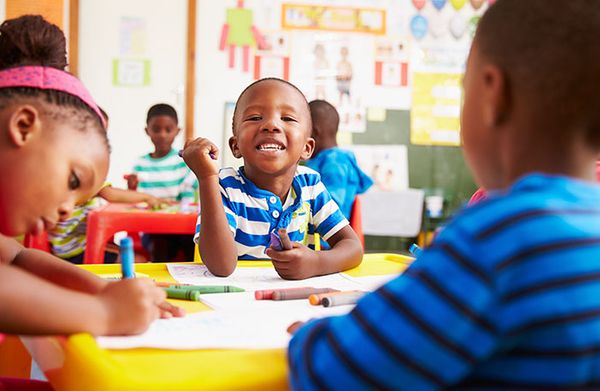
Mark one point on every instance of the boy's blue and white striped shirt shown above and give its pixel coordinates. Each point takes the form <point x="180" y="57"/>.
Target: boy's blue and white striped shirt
<point x="254" y="213"/>
<point x="507" y="297"/>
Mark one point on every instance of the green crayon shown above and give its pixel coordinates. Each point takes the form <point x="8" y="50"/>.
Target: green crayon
<point x="182" y="294"/>
<point x="204" y="289"/>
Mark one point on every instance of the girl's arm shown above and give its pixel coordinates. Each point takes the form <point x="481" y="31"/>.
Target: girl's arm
<point x="301" y="262"/>
<point x="216" y="243"/>
<point x="31" y="305"/>
<point x="49" y="267"/>
<point x="112" y="194"/>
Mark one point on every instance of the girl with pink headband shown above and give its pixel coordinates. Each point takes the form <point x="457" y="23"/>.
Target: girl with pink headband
<point x="54" y="153"/>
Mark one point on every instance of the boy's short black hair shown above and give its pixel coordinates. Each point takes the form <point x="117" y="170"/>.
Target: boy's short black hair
<point x="324" y="115"/>
<point x="550" y="52"/>
<point x="162" y="109"/>
<point x="260" y="81"/>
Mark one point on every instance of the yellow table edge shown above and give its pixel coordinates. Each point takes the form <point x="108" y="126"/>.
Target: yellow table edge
<point x="77" y="363"/>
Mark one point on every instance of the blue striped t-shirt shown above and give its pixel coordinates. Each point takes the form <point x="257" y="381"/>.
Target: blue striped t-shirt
<point x="253" y="213"/>
<point x="507" y="297"/>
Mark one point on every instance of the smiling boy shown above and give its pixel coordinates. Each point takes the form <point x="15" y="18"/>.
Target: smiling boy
<point x="242" y="207"/>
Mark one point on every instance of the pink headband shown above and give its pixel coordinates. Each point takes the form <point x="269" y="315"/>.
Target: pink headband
<point x="46" y="78"/>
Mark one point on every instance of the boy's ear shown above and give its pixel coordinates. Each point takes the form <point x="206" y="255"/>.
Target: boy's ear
<point x="23" y="124"/>
<point x="309" y="147"/>
<point x="146" y="130"/>
<point x="233" y="145"/>
<point x="496" y="95"/>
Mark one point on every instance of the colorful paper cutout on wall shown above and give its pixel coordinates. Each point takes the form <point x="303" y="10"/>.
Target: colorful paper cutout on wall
<point x="329" y="18"/>
<point x="435" y="112"/>
<point x="239" y="31"/>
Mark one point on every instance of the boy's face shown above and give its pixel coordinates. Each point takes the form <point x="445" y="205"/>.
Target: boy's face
<point x="162" y="130"/>
<point x="481" y="143"/>
<point x="272" y="129"/>
<point x="57" y="168"/>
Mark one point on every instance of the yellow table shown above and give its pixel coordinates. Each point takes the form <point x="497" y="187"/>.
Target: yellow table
<point x="77" y="363"/>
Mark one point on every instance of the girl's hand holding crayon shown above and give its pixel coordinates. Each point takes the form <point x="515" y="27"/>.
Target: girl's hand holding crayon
<point x="200" y="155"/>
<point x="132" y="304"/>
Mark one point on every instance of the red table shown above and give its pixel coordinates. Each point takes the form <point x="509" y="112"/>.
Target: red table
<point x="103" y="223"/>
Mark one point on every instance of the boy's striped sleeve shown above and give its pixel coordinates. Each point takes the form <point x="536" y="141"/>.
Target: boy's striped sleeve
<point x="425" y="330"/>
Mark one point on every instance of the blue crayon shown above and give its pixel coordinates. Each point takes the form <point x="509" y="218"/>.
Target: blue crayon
<point x="127" y="258"/>
<point x="415" y="250"/>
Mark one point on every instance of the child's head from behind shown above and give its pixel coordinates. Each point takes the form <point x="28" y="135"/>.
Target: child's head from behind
<point x="531" y="88"/>
<point x="54" y="149"/>
<point x="271" y="127"/>
<point x="162" y="127"/>
<point x="325" y="122"/>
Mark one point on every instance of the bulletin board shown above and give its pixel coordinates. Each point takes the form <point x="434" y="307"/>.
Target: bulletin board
<point x="392" y="69"/>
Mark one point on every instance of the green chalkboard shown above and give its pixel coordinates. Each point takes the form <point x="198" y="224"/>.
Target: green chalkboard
<point x="436" y="169"/>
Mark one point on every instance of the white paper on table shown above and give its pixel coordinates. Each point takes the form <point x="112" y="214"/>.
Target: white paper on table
<point x="370" y="283"/>
<point x="249" y="329"/>
<point x="253" y="278"/>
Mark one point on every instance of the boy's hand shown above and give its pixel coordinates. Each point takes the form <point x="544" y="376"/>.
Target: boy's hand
<point x="132" y="181"/>
<point x="296" y="264"/>
<point x="131" y="305"/>
<point x="200" y="155"/>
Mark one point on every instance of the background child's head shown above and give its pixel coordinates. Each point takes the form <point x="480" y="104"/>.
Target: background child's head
<point x="162" y="127"/>
<point x="325" y="122"/>
<point x="531" y="100"/>
<point x="53" y="149"/>
<point x="271" y="125"/>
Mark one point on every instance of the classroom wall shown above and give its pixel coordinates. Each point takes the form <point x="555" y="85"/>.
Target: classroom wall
<point x="156" y="32"/>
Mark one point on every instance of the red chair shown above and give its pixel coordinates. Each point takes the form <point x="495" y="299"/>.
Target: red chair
<point x="356" y="220"/>
<point x="39" y="241"/>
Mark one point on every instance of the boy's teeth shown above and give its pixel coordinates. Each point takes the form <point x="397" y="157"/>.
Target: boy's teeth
<point x="270" y="147"/>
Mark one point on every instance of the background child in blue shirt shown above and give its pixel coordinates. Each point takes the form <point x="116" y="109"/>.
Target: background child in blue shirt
<point x="508" y="295"/>
<point x="339" y="170"/>
<point x="240" y="208"/>
<point x="164" y="175"/>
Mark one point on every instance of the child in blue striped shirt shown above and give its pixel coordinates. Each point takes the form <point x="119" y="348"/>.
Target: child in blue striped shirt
<point x="242" y="207"/>
<point x="508" y="294"/>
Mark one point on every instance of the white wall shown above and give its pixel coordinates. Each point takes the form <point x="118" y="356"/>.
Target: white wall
<point x="215" y="82"/>
<point x="99" y="43"/>
<point x="2" y="10"/>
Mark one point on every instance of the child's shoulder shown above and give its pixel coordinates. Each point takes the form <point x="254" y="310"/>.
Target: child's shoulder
<point x="307" y="176"/>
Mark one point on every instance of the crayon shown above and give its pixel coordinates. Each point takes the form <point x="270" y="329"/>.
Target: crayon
<point x="275" y="242"/>
<point x="349" y="298"/>
<point x="299" y="293"/>
<point x="204" y="289"/>
<point x="415" y="250"/>
<point x="176" y="293"/>
<point x="126" y="251"/>
<point x="317" y="299"/>
<point x="267" y="294"/>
